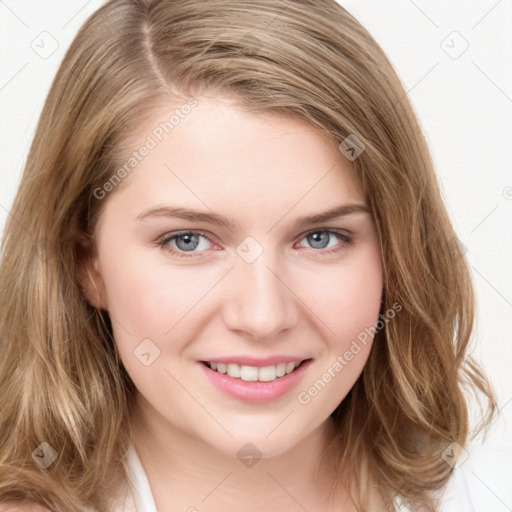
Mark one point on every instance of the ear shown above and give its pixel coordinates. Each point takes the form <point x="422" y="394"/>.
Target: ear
<point x="87" y="272"/>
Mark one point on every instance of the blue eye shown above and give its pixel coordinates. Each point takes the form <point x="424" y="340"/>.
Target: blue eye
<point x="320" y="239"/>
<point x="188" y="241"/>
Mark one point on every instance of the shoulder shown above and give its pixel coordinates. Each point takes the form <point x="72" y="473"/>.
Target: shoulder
<point x="482" y="480"/>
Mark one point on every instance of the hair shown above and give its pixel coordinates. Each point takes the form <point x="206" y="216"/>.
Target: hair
<point x="61" y="379"/>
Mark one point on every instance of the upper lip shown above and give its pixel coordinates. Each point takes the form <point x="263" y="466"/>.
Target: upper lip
<point x="256" y="361"/>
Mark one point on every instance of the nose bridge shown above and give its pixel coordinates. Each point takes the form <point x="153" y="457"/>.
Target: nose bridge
<point x="260" y="303"/>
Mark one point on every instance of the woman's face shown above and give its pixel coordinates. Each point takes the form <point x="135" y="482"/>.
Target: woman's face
<point x="248" y="279"/>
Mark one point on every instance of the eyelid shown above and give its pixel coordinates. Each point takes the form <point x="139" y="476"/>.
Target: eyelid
<point x="338" y="231"/>
<point x="172" y="235"/>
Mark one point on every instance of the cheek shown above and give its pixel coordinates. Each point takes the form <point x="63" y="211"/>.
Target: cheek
<point x="347" y="298"/>
<point x="148" y="299"/>
<point x="347" y="308"/>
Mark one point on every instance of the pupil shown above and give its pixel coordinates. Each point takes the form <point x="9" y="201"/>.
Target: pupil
<point x="191" y="241"/>
<point x="320" y="238"/>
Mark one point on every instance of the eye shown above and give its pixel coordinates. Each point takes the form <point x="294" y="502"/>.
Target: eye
<point x="320" y="239"/>
<point x="185" y="242"/>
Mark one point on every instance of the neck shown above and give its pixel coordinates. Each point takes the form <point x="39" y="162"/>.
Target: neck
<point x="184" y="472"/>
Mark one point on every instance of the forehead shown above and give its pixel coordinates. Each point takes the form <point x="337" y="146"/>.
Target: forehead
<point x="217" y="153"/>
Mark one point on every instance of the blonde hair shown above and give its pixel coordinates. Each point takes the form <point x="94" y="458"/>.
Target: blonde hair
<point x="61" y="380"/>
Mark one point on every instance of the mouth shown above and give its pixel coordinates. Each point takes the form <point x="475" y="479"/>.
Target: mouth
<point x="249" y="373"/>
<point x="255" y="384"/>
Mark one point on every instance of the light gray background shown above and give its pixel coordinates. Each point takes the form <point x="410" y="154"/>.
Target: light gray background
<point x="455" y="60"/>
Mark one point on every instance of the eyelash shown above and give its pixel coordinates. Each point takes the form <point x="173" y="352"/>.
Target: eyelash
<point x="163" y="243"/>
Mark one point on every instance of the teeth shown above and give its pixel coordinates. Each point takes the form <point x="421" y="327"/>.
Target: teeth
<point x="267" y="373"/>
<point x="248" y="373"/>
<point x="233" y="370"/>
<point x="253" y="373"/>
<point x="280" y="369"/>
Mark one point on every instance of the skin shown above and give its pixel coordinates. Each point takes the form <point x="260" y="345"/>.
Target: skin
<point x="263" y="172"/>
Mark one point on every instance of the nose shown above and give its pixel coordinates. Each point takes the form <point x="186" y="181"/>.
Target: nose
<point x="261" y="303"/>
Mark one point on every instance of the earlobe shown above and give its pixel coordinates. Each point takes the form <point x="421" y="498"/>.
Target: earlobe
<point x="88" y="273"/>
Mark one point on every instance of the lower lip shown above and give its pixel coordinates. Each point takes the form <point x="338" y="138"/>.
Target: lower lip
<point x="256" y="391"/>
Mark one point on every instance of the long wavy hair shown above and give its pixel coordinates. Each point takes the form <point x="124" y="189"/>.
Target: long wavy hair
<point x="61" y="380"/>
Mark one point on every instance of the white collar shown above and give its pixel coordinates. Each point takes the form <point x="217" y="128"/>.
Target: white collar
<point x="141" y="490"/>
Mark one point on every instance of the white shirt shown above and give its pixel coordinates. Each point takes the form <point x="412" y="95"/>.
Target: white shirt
<point x="481" y="482"/>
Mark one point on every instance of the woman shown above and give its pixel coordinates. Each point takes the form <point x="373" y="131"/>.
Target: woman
<point x="229" y="278"/>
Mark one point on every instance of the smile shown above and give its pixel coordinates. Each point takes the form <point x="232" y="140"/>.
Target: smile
<point x="254" y="384"/>
<point x="254" y="373"/>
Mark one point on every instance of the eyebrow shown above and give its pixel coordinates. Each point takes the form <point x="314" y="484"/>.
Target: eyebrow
<point x="221" y="220"/>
